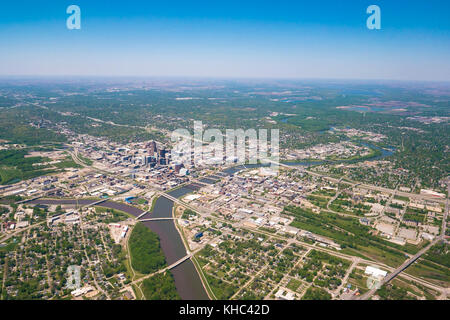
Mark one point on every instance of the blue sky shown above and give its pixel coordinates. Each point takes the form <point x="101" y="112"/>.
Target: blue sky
<point x="269" y="39"/>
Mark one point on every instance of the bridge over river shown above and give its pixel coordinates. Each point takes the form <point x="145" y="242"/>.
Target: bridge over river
<point x="187" y="279"/>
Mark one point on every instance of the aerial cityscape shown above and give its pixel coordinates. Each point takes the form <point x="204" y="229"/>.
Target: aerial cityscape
<point x="200" y="187"/>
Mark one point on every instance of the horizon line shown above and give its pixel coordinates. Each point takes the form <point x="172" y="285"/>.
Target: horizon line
<point x="193" y="77"/>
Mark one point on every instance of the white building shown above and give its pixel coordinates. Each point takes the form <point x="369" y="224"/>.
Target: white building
<point x="283" y="294"/>
<point x="378" y="273"/>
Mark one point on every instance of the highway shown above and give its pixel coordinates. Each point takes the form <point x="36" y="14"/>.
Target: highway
<point x="366" y="186"/>
<point x="413" y="259"/>
<point x="307" y="245"/>
<point x="380" y="189"/>
<point x="397" y="271"/>
<point x="388" y="278"/>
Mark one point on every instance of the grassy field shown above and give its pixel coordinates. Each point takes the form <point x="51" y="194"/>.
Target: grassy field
<point x="67" y="163"/>
<point x="15" y="166"/>
<point x="430" y="271"/>
<point x="87" y="161"/>
<point x="349" y="233"/>
<point x="294" y="284"/>
<point x="359" y="280"/>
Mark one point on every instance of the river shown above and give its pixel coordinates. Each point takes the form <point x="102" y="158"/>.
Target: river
<point x="187" y="279"/>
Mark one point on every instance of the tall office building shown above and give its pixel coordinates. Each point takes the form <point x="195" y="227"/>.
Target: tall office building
<point x="162" y="153"/>
<point x="152" y="149"/>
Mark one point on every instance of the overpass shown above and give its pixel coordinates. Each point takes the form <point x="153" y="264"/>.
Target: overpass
<point x="182" y="203"/>
<point x="368" y="294"/>
<point x="397" y="271"/>
<point x="36" y="197"/>
<point x="410" y="261"/>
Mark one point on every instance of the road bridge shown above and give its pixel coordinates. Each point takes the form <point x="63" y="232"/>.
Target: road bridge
<point x="172" y="266"/>
<point x="397" y="271"/>
<point x="142" y="214"/>
<point x="158" y="219"/>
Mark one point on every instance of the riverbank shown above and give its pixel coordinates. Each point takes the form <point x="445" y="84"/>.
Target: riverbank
<point x="187" y="280"/>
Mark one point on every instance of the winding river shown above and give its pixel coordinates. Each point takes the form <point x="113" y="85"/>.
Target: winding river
<point x="187" y="279"/>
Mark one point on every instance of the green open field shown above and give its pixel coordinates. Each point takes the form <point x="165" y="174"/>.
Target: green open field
<point x="350" y="234"/>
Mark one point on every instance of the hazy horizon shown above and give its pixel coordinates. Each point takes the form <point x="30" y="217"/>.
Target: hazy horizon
<point x="324" y="40"/>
